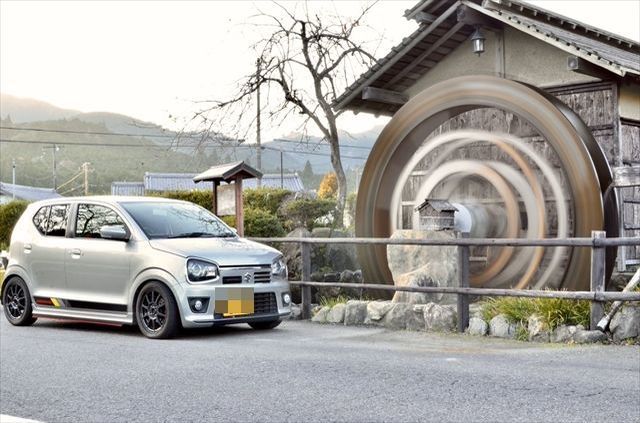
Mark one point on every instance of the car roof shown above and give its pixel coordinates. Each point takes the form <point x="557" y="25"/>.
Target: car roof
<point x="112" y="199"/>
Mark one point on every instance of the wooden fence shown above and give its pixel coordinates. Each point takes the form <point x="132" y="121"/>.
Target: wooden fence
<point x="597" y="295"/>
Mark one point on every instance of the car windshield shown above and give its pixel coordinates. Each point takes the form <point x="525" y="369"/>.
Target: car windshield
<point x="176" y="220"/>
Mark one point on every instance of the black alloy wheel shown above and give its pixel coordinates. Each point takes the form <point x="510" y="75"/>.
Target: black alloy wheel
<point x="17" y="302"/>
<point x="157" y="312"/>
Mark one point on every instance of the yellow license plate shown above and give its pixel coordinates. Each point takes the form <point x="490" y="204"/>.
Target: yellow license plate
<point x="232" y="302"/>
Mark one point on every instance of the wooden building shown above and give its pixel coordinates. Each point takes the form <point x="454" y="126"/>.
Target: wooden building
<point x="592" y="71"/>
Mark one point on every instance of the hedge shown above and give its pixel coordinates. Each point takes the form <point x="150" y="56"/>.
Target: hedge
<point x="9" y="215"/>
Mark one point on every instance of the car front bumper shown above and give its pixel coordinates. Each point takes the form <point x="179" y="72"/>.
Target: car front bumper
<point x="208" y="316"/>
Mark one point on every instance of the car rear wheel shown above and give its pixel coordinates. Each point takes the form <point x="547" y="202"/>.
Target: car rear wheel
<point x="157" y="312"/>
<point x="17" y="302"/>
<point x="265" y="325"/>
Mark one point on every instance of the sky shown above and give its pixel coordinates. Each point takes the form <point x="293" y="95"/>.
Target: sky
<point x="153" y="59"/>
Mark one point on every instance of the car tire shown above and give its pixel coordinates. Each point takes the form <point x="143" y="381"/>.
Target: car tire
<point x="156" y="312"/>
<point x="265" y="325"/>
<point x="16" y="301"/>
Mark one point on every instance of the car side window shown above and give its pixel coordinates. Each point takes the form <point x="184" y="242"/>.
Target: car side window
<point x="91" y="217"/>
<point x="41" y="219"/>
<point x="58" y="217"/>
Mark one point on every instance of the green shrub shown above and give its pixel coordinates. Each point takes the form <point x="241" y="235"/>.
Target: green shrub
<point x="9" y="215"/>
<point x="261" y="223"/>
<point x="553" y="311"/>
<point x="305" y="212"/>
<point x="557" y="311"/>
<point x="332" y="301"/>
<point x="268" y="199"/>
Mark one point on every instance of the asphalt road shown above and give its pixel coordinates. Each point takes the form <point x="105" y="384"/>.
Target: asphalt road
<point x="63" y="372"/>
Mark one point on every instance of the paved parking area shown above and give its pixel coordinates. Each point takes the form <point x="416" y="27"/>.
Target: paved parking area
<point x="62" y="372"/>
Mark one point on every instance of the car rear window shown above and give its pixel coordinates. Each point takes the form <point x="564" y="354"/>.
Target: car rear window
<point x="52" y="220"/>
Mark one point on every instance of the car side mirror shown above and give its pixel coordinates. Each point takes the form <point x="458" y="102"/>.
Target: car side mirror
<point x="115" y="232"/>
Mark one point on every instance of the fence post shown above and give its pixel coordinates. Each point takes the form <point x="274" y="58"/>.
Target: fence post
<point x="306" y="276"/>
<point x="463" y="282"/>
<point x="597" y="278"/>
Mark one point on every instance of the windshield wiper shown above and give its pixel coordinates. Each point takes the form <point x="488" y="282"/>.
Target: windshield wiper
<point x="193" y="235"/>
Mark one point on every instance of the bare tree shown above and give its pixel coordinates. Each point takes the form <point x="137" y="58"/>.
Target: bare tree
<point x="305" y="62"/>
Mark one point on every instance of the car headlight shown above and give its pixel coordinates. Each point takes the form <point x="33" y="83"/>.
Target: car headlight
<point x="200" y="270"/>
<point x="279" y="268"/>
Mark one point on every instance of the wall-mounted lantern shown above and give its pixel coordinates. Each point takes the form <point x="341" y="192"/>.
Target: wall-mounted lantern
<point x="477" y="41"/>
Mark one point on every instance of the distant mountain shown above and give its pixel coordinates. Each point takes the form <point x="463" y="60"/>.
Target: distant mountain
<point x="29" y="110"/>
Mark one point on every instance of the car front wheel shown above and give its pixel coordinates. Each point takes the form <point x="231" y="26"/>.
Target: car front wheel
<point x="17" y="302"/>
<point x="265" y="325"/>
<point x="157" y="312"/>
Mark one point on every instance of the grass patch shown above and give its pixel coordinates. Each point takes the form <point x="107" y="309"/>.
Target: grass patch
<point x="553" y="311"/>
<point x="332" y="301"/>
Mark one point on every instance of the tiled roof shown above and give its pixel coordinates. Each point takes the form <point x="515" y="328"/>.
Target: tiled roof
<point x="431" y="42"/>
<point x="184" y="182"/>
<point x="23" y="192"/>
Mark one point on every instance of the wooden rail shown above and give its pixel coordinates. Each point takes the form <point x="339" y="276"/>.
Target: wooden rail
<point x="597" y="295"/>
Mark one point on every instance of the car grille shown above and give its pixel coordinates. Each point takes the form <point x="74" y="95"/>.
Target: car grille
<point x="231" y="279"/>
<point x="262" y="276"/>
<point x="264" y="303"/>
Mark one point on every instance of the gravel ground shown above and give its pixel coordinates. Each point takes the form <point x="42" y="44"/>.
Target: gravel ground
<point x="62" y="372"/>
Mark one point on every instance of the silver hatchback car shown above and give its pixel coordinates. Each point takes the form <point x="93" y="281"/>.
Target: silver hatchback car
<point x="157" y="263"/>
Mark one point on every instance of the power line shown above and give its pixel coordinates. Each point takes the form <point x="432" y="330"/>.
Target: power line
<point x="84" y="144"/>
<point x="124" y="134"/>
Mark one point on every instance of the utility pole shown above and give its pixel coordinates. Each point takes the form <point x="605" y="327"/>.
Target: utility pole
<point x="258" y="135"/>
<point x="85" y="169"/>
<point x="54" y="148"/>
<point x="13" y="179"/>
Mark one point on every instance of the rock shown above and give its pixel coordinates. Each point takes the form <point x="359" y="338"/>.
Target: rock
<point x="293" y="257"/>
<point x="336" y="315"/>
<point x="625" y="323"/>
<point x="589" y="336"/>
<point x="376" y="311"/>
<point x="475" y="310"/>
<point x="396" y="318"/>
<point x="296" y="312"/>
<point x="413" y="265"/>
<point x="321" y="315"/>
<point x="346" y="276"/>
<point x="439" y="318"/>
<point x="415" y="319"/>
<point x="355" y="312"/>
<point x="564" y="333"/>
<point x="477" y="327"/>
<point x="357" y="276"/>
<point x="537" y="330"/>
<point x="500" y="327"/>
<point x="317" y="277"/>
<point x="332" y="277"/>
<point x="419" y="277"/>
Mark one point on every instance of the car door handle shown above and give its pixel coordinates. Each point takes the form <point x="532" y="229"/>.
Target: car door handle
<point x="76" y="253"/>
<point x="27" y="248"/>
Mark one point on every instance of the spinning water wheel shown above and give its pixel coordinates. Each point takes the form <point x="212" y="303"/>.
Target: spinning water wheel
<point x="553" y="186"/>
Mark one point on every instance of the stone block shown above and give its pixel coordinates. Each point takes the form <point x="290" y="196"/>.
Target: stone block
<point x="439" y="318"/>
<point x="500" y="327"/>
<point x="625" y="323"/>
<point x="355" y="312"/>
<point x="477" y="327"/>
<point x="336" y="314"/>
<point x="321" y="315"/>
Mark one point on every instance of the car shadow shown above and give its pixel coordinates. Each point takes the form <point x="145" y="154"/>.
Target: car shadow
<point x="129" y="330"/>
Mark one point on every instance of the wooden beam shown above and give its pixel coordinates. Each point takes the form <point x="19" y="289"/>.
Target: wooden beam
<point x="400" y="54"/>
<point x="579" y="65"/>
<point x="424" y="55"/>
<point x="239" y="207"/>
<point x="380" y="95"/>
<point x="214" y="198"/>
<point x="468" y="16"/>
<point x="424" y="17"/>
